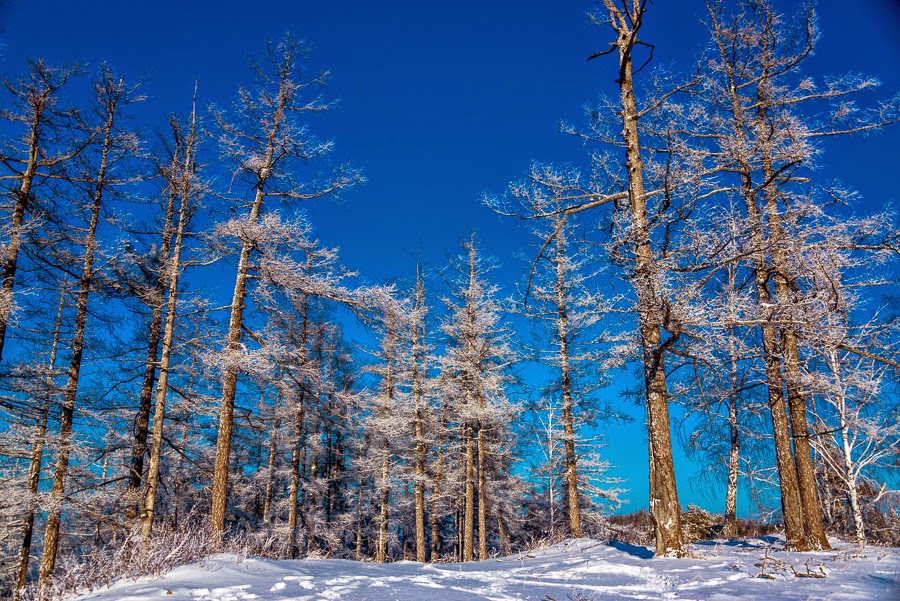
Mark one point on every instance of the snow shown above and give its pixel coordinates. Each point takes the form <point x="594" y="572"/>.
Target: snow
<point x="572" y="570"/>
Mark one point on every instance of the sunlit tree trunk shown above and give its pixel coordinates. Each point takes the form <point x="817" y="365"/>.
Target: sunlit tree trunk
<point x="419" y="373"/>
<point x="469" y="525"/>
<point x="385" y="485"/>
<point x="37" y="94"/>
<point x="734" y="450"/>
<point x="156" y="296"/>
<point x="572" y="506"/>
<point x="269" y="495"/>
<point x="814" y="531"/>
<point x="665" y="510"/>
<point x="110" y="93"/>
<point x="183" y="184"/>
<point x="482" y="496"/>
<point x="37" y="448"/>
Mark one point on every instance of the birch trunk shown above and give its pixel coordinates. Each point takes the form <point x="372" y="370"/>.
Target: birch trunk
<point x="849" y="475"/>
<point x="734" y="455"/>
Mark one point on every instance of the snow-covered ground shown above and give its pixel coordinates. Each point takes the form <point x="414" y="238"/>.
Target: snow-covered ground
<point x="573" y="570"/>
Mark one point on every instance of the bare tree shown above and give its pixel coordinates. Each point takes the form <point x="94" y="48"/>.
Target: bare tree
<point x="767" y="117"/>
<point x="626" y="19"/>
<point x="560" y="294"/>
<point x="185" y="186"/>
<point x="475" y="368"/>
<point x="48" y="142"/>
<point x="114" y="146"/>
<point x="263" y="138"/>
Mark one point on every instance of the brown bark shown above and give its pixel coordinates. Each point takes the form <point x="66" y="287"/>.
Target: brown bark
<point x="814" y="530"/>
<point x="571" y="476"/>
<point x="156" y="297"/>
<point x="787" y="474"/>
<point x="388" y="384"/>
<point x="436" y="496"/>
<point x="37" y="450"/>
<point x="52" y="530"/>
<point x="482" y="497"/>
<point x="269" y="495"/>
<point x="233" y="339"/>
<point x="294" y="480"/>
<point x="665" y="510"/>
<point x="37" y="94"/>
<point x="173" y="271"/>
<point x="359" y="520"/>
<point x="418" y="373"/>
<point x="469" y="525"/>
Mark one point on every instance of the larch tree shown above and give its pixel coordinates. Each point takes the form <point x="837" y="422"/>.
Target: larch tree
<point x="49" y="140"/>
<point x="476" y="367"/>
<point x="626" y="18"/>
<point x="267" y="141"/>
<point x="767" y="118"/>
<point x="115" y="147"/>
<point x="186" y="188"/>
<point x="559" y="295"/>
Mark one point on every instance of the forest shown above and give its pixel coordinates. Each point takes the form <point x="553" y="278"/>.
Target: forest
<point x="185" y="366"/>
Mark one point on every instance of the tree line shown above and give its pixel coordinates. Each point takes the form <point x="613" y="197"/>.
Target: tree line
<point x="698" y="245"/>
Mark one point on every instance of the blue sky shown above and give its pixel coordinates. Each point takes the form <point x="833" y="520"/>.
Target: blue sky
<point x="439" y="103"/>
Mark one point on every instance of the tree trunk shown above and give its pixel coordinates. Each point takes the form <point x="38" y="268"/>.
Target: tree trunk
<point x="381" y="549"/>
<point x="787" y="475"/>
<point x="37" y="450"/>
<point x="52" y="531"/>
<point x="813" y="529"/>
<point x="849" y="475"/>
<point x="233" y="340"/>
<point x="10" y="263"/>
<point x="294" y="483"/>
<point x="37" y="94"/>
<point x="142" y="420"/>
<point x="173" y="272"/>
<point x="436" y="496"/>
<point x="469" y="527"/>
<point x="417" y="366"/>
<point x="12" y="249"/>
<point x="665" y="510"/>
<point x="482" y="497"/>
<point x="806" y="474"/>
<point x="269" y="495"/>
<point x="573" y="511"/>
<point x="734" y="455"/>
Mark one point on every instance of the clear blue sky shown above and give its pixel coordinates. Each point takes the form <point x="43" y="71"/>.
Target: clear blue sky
<point x="440" y="102"/>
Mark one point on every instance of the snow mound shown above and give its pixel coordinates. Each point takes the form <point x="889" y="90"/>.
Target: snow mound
<point x="579" y="569"/>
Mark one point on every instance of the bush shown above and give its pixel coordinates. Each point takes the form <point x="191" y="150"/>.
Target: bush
<point x="698" y="524"/>
<point x="128" y="558"/>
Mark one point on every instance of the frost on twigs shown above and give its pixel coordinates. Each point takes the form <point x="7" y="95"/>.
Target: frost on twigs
<point x="768" y="564"/>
